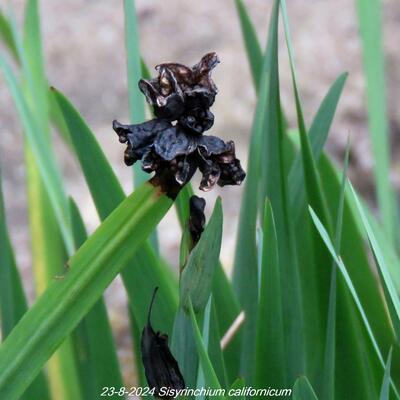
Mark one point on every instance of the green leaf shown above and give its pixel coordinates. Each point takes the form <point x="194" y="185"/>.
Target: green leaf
<point x="270" y="359"/>
<point x="66" y="301"/>
<point x="322" y="231"/>
<point x="33" y="68"/>
<point x="211" y="338"/>
<point x="226" y="303"/>
<point x="328" y="383"/>
<point x="385" y="389"/>
<point x="369" y="16"/>
<point x="253" y="48"/>
<point x="97" y="356"/>
<point x="197" y="276"/>
<point x="302" y="390"/>
<point x="274" y="186"/>
<point x="315" y="298"/>
<point x="134" y="68"/>
<point x="237" y="387"/>
<point x="356" y="344"/>
<point x="210" y="376"/>
<point x="48" y="258"/>
<point x="44" y="157"/>
<point x="183" y="347"/>
<point x="265" y="178"/>
<point x="7" y="36"/>
<point x="391" y="295"/>
<point x="13" y="304"/>
<point x="47" y="244"/>
<point x="318" y="134"/>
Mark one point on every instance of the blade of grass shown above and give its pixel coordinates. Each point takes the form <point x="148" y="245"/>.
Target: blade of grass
<point x="274" y="186"/>
<point x="6" y="35"/>
<point x="43" y="156"/>
<point x="388" y="249"/>
<point x="210" y="376"/>
<point x="214" y="347"/>
<point x="135" y="67"/>
<point x="136" y="99"/>
<point x="270" y="360"/>
<point x="47" y="244"/>
<point x="66" y="301"/>
<point x="302" y="390"/>
<point x="316" y="198"/>
<point x="356" y="344"/>
<point x="183" y="347"/>
<point x="13" y="304"/>
<point x="253" y="48"/>
<point x="237" y="386"/>
<point x="385" y="390"/>
<point x="267" y="120"/>
<point x="328" y="383"/>
<point x="369" y="17"/>
<point x="48" y="258"/>
<point x="391" y="295"/>
<point x="97" y="355"/>
<point x="197" y="276"/>
<point x="353" y="292"/>
<point x="318" y="134"/>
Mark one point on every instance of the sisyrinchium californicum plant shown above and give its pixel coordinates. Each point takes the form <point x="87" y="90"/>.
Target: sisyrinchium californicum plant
<point x="172" y="145"/>
<point x="305" y="309"/>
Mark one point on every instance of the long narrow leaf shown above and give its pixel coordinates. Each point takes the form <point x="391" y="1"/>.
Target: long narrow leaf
<point x="302" y="390"/>
<point x="369" y="16"/>
<point x="98" y="360"/>
<point x="6" y="35"/>
<point x="347" y="278"/>
<point x="318" y="134"/>
<point x="385" y="389"/>
<point x="253" y="48"/>
<point x="67" y="300"/>
<point x="392" y="296"/>
<point x="270" y="360"/>
<point x="328" y="383"/>
<point x="197" y="276"/>
<point x="210" y="376"/>
<point x="43" y="156"/>
<point x="136" y="99"/>
<point x="13" y="304"/>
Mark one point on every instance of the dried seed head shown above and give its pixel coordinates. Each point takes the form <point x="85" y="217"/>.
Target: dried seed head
<point x="161" y="368"/>
<point x="197" y="218"/>
<point x="175" y="150"/>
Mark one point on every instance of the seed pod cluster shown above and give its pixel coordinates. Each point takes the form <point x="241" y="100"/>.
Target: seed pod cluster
<point x="173" y="144"/>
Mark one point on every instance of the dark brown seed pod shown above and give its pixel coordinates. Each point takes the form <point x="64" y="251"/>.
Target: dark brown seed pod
<point x="175" y="150"/>
<point x="197" y="218"/>
<point x="160" y="366"/>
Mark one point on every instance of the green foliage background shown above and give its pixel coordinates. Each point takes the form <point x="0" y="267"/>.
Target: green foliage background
<point x="320" y="315"/>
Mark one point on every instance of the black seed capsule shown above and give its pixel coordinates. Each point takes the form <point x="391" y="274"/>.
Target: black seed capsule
<point x="160" y="366"/>
<point x="197" y="218"/>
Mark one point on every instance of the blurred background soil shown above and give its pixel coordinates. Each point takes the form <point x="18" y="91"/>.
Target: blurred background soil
<point x="85" y="58"/>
